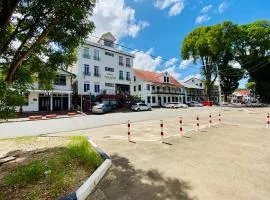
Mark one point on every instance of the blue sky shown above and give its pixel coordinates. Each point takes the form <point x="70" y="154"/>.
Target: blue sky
<point x="158" y="27"/>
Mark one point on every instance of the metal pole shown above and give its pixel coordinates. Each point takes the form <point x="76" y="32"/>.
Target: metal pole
<point x="90" y="100"/>
<point x="219" y="87"/>
<point x="81" y="103"/>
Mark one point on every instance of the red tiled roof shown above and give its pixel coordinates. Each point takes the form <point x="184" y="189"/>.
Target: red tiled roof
<point x="155" y="77"/>
<point x="242" y="92"/>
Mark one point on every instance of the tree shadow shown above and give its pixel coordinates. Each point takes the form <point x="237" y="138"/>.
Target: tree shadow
<point x="124" y="182"/>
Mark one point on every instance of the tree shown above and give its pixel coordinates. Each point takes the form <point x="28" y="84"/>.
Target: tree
<point x="196" y="46"/>
<point x="252" y="51"/>
<point x="43" y="34"/>
<point x="252" y="87"/>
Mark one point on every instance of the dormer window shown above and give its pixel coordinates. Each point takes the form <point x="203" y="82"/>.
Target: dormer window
<point x="166" y="79"/>
<point x="108" y="43"/>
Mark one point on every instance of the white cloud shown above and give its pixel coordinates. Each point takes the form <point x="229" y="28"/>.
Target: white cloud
<point x="176" y="9"/>
<point x="186" y="63"/>
<point x="198" y="76"/>
<point x="114" y="16"/>
<point x="144" y="60"/>
<point x="223" y="6"/>
<point x="202" y="19"/>
<point x="235" y="64"/>
<point x="206" y="9"/>
<point x="175" y="6"/>
<point x="171" y="62"/>
<point x="173" y="72"/>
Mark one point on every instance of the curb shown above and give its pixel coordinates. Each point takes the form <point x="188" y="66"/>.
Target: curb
<point x="87" y="187"/>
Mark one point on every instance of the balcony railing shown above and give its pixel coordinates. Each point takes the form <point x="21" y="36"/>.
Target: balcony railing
<point x="121" y="63"/>
<point x="167" y="92"/>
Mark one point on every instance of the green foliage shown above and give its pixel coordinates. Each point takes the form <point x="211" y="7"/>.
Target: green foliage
<point x="47" y="34"/>
<point x="9" y="99"/>
<point x="57" y="169"/>
<point x="251" y="50"/>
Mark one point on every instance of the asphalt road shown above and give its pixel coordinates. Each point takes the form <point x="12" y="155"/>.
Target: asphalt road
<point x="30" y="128"/>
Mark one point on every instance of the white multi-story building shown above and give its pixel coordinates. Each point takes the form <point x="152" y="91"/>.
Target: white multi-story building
<point x="157" y="89"/>
<point x="58" y="98"/>
<point x="194" y="90"/>
<point x="103" y="69"/>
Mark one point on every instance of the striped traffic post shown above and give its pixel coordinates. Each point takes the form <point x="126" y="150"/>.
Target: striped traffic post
<point x="129" y="130"/>
<point x="219" y="118"/>
<point x="210" y="120"/>
<point x="267" y="121"/>
<point x="181" y="126"/>
<point x="161" y="130"/>
<point x="198" y="123"/>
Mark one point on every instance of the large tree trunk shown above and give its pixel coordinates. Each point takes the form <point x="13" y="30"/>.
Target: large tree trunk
<point x="7" y="7"/>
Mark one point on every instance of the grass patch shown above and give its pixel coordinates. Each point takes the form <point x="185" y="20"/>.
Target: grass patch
<point x="53" y="172"/>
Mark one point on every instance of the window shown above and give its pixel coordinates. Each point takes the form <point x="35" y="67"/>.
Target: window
<point x="109" y="84"/>
<point x="172" y="99"/>
<point x="139" y="87"/>
<point x="153" y="99"/>
<point x="60" y="80"/>
<point x="121" y="75"/>
<point x="169" y="99"/>
<point x="86" y="87"/>
<point x="109" y="54"/>
<point x="153" y="87"/>
<point x="86" y="53"/>
<point x="176" y="99"/>
<point x="148" y="86"/>
<point x="200" y="84"/>
<point x="134" y="88"/>
<point x="108" y="43"/>
<point x="26" y="99"/>
<point x="134" y="78"/>
<point x="166" y="79"/>
<point x="109" y="69"/>
<point x="96" y="54"/>
<point x="97" y="89"/>
<point x="148" y="99"/>
<point x="121" y="60"/>
<point x="128" y="62"/>
<point x="128" y="76"/>
<point x="96" y="71"/>
<point x="164" y="99"/>
<point x="86" y="70"/>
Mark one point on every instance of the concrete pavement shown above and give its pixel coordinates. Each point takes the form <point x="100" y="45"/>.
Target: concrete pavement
<point x="17" y="129"/>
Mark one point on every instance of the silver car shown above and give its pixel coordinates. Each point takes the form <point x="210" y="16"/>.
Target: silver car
<point x="101" y="108"/>
<point x="140" y="107"/>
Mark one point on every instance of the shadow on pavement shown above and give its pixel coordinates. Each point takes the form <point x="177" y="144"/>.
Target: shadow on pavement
<point x="124" y="182"/>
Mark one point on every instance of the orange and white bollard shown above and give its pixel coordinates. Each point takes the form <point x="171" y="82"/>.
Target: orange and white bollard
<point x="129" y="130"/>
<point x="219" y="118"/>
<point x="181" y="126"/>
<point x="210" y="120"/>
<point x="161" y="130"/>
<point x="198" y="123"/>
<point x="267" y="121"/>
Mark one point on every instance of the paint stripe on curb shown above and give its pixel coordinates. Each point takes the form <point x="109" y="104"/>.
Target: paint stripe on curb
<point x="87" y="187"/>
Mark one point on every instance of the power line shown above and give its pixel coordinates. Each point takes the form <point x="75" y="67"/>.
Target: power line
<point x="168" y="60"/>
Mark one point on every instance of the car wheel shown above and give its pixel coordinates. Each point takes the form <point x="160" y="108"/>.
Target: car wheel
<point x="149" y="109"/>
<point x="138" y="109"/>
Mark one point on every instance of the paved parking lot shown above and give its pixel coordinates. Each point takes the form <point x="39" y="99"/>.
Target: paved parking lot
<point x="228" y="161"/>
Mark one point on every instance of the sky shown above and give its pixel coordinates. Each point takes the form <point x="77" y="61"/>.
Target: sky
<point x="158" y="27"/>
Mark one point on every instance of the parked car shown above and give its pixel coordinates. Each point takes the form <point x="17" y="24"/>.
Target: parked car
<point x="194" y="104"/>
<point x="102" y="108"/>
<point x="254" y="104"/>
<point x="175" y="105"/>
<point x="140" y="107"/>
<point x="207" y="103"/>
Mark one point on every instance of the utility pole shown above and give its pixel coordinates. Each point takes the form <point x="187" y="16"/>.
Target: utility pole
<point x="219" y="87"/>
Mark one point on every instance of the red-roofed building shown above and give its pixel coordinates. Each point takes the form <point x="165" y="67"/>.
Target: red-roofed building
<point x="241" y="96"/>
<point x="157" y="88"/>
